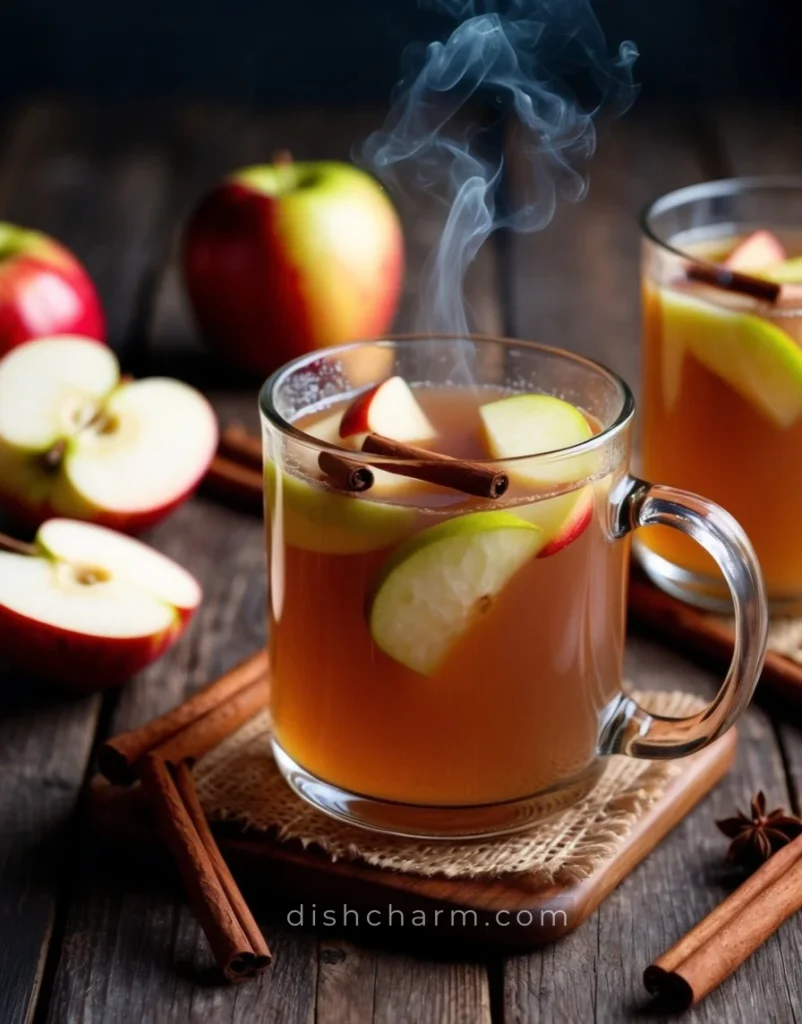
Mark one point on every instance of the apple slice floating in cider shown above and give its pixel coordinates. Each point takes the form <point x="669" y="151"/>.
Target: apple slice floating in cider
<point x="533" y="425"/>
<point x="530" y="424"/>
<point x="389" y="408"/>
<point x="90" y="607"/>
<point x="756" y="251"/>
<point x="755" y="356"/>
<point x="76" y="440"/>
<point x="441" y="580"/>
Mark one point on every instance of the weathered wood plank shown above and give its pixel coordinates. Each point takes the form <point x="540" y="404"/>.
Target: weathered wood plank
<point x="357" y="984"/>
<point x="576" y="286"/>
<point x="57" y="174"/>
<point x="139" y="943"/>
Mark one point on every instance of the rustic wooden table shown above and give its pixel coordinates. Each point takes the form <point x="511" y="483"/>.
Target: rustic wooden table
<point x="86" y="940"/>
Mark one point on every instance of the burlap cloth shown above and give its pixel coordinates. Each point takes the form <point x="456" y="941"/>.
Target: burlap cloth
<point x="239" y="781"/>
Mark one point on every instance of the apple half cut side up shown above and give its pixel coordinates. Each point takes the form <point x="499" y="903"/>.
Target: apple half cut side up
<point x="442" y="580"/>
<point x="90" y="607"/>
<point x="75" y="441"/>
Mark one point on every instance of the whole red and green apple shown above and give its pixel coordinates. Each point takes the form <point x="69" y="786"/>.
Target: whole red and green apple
<point x="283" y="258"/>
<point x="44" y="290"/>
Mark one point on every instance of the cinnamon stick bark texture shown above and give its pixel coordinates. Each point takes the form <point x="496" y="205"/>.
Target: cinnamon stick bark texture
<point x="720" y="943"/>
<point x="460" y="474"/>
<point x="119" y="757"/>
<point x="241" y="952"/>
<point x="204" y="734"/>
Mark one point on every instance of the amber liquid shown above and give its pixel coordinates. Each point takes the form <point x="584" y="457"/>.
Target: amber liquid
<point x="702" y="435"/>
<point x="514" y="709"/>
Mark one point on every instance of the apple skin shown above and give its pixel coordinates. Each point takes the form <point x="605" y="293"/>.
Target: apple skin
<point x="31" y="516"/>
<point x="282" y="259"/>
<point x="44" y="290"/>
<point x="75" y="661"/>
<point x="578" y="521"/>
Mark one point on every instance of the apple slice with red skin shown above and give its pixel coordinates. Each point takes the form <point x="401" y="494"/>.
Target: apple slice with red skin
<point x="388" y="408"/>
<point x="755" y="252"/>
<point x="88" y="607"/>
<point x="76" y="440"/>
<point x="562" y="518"/>
<point x="522" y="425"/>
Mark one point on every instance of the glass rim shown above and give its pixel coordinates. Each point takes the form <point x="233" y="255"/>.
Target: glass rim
<point x="712" y="189"/>
<point x="605" y="436"/>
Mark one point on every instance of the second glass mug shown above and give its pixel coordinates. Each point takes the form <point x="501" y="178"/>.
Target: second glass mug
<point x="517" y="719"/>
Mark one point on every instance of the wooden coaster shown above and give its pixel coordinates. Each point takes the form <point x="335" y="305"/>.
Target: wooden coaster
<point x="692" y="630"/>
<point x="509" y="911"/>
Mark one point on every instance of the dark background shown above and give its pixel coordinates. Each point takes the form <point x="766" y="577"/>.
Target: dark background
<point x="268" y="51"/>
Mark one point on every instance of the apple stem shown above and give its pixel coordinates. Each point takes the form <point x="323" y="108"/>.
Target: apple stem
<point x="282" y="157"/>
<point x="17" y="547"/>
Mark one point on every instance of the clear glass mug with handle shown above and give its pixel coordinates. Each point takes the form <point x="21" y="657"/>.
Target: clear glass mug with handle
<point x="448" y="664"/>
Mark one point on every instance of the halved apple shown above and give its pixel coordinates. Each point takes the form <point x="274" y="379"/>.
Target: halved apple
<point x="76" y="440"/>
<point x="756" y="251"/>
<point x="90" y="607"/>
<point x="389" y="408"/>
<point x="753" y="355"/>
<point x="441" y="580"/>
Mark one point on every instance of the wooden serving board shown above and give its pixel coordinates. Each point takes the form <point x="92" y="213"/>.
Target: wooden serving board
<point x="511" y="911"/>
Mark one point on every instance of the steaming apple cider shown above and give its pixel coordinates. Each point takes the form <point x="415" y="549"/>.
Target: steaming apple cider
<point x="723" y="395"/>
<point x="429" y="646"/>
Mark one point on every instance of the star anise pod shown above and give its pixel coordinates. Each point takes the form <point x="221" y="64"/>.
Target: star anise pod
<point x="756" y="838"/>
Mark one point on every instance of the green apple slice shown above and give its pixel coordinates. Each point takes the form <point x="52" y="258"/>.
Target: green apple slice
<point x="313" y="518"/>
<point x="444" y="578"/>
<point x="754" y="356"/>
<point x="786" y="272"/>
<point x="532" y="425"/>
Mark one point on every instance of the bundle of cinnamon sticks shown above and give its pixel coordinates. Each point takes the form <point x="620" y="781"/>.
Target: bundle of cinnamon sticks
<point x="719" y="944"/>
<point x="159" y="755"/>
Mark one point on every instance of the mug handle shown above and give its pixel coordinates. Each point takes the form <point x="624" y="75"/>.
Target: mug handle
<point x="631" y="730"/>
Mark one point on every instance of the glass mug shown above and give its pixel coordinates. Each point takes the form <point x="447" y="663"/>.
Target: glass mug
<point x="722" y="388"/>
<point x="515" y="720"/>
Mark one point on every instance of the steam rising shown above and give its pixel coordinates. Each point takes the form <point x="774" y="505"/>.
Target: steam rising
<point x="519" y="62"/>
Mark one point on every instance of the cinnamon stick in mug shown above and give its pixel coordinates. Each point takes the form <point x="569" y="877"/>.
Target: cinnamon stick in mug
<point x="444" y="470"/>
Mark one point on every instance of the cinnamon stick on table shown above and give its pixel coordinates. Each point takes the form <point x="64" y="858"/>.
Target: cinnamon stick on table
<point x="234" y="936"/>
<point x="703" y="631"/>
<point x="239" y="445"/>
<point x="190" y="728"/>
<point x="720" y="943"/>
